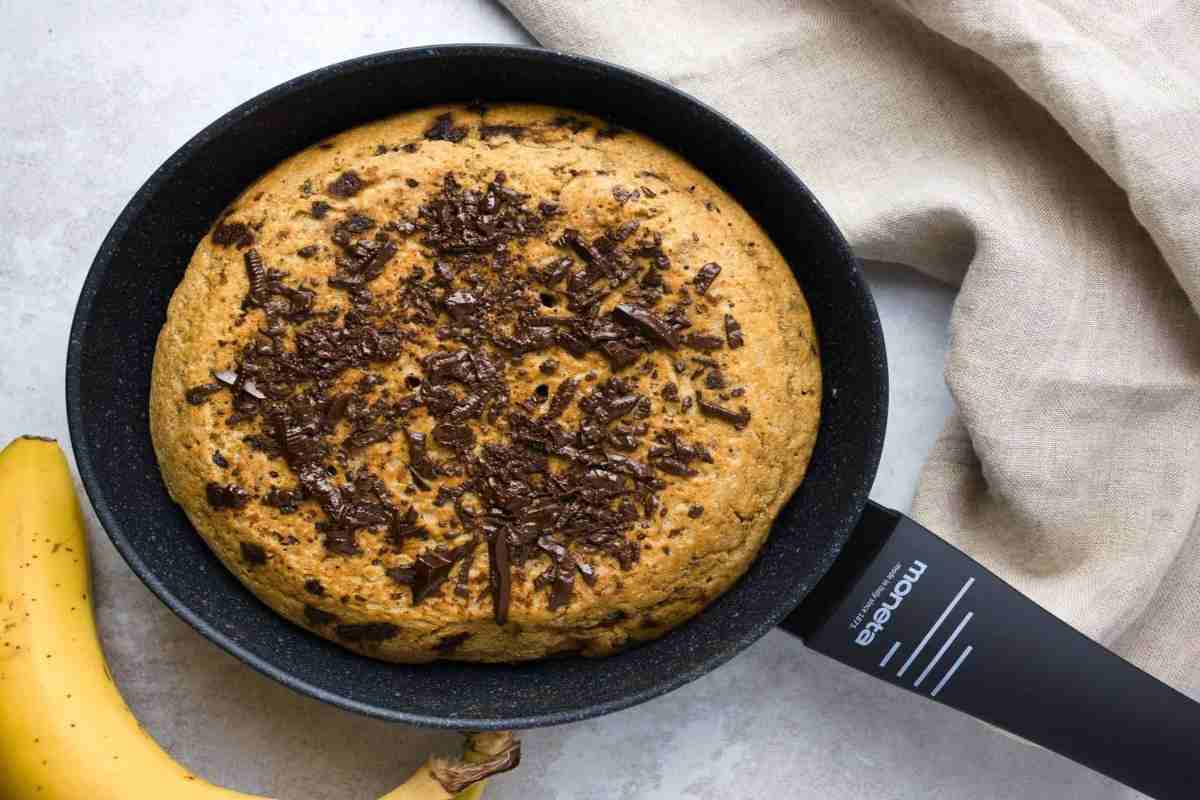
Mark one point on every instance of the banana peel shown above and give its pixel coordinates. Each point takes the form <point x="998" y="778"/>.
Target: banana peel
<point x="65" y="731"/>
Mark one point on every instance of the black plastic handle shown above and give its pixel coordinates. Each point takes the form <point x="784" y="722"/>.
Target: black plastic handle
<point x="903" y="605"/>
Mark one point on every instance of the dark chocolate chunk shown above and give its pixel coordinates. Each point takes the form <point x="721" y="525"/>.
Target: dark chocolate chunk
<point x="733" y="332"/>
<point x="695" y="512"/>
<point x="228" y="496"/>
<point x="430" y="570"/>
<point x="314" y="587"/>
<point x="455" y="437"/>
<point x="219" y="459"/>
<point x="235" y="234"/>
<point x="647" y="323"/>
<point x="418" y="457"/>
<point x="367" y="632"/>
<point x="574" y="124"/>
<point x="256" y="274"/>
<point x="342" y="541"/>
<point x="501" y="575"/>
<point x="448" y="644"/>
<point x="319" y="209"/>
<point x="318" y="616"/>
<point x="401" y="575"/>
<point x="715" y="380"/>
<point x="347" y="184"/>
<point x="739" y="419"/>
<point x="561" y="575"/>
<point x="308" y="251"/>
<point x="549" y="366"/>
<point x="462" y="306"/>
<point x="406" y="526"/>
<point x="703" y="342"/>
<point x="489" y="131"/>
<point x="253" y="554"/>
<point x="705" y="277"/>
<point x="198" y="395"/>
<point x="444" y="129"/>
<point x="563" y="396"/>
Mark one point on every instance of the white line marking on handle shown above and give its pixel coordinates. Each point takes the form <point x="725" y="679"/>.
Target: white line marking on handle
<point x="936" y="625"/>
<point x="937" y="657"/>
<point x="889" y="655"/>
<point x="950" y="672"/>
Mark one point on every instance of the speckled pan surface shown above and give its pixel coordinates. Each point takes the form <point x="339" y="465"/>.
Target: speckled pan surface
<point x="145" y="256"/>
<point x="632" y="479"/>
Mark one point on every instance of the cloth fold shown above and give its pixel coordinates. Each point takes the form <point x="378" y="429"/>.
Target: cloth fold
<point x="1041" y="155"/>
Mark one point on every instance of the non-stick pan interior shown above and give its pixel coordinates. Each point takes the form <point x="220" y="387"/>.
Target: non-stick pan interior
<point x="124" y="302"/>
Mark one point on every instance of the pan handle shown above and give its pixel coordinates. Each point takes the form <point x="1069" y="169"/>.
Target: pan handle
<point x="903" y="605"/>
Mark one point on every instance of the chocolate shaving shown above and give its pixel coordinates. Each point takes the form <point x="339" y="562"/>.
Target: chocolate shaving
<point x="703" y="342"/>
<point x="228" y="496"/>
<point x="733" y="332"/>
<point x="198" y="395"/>
<point x="253" y="554"/>
<point x="346" y="185"/>
<point x="486" y="132"/>
<point x="647" y="323"/>
<point x="444" y="129"/>
<point x="501" y="576"/>
<point x="448" y="644"/>
<point x="430" y="571"/>
<point x="705" y="277"/>
<point x="318" y="617"/>
<point x="236" y="234"/>
<point x="367" y="632"/>
<point x="739" y="419"/>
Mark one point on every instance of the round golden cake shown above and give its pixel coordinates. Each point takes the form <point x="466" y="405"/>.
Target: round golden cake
<point x="485" y="383"/>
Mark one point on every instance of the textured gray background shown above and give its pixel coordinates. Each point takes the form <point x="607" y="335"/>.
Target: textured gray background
<point x="93" y="98"/>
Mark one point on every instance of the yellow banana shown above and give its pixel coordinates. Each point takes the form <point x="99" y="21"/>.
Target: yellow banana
<point x="65" y="731"/>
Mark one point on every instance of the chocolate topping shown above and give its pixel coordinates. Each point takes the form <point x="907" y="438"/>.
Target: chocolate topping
<point x="318" y="617"/>
<point x="444" y="129"/>
<point x="704" y="342"/>
<point x="198" y="395"/>
<point x="228" y="496"/>
<point x="739" y="419"/>
<point x="253" y="554"/>
<point x="705" y="277"/>
<point x="367" y="632"/>
<point x="489" y="131"/>
<point x="347" y="184"/>
<point x="235" y="234"/>
<point x="448" y="644"/>
<point x="542" y="494"/>
<point x="647" y="323"/>
<point x="733" y="333"/>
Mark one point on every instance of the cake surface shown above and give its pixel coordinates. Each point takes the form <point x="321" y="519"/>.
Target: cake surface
<point x="485" y="383"/>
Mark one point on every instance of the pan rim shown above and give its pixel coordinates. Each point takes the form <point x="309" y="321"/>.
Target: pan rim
<point x="93" y="482"/>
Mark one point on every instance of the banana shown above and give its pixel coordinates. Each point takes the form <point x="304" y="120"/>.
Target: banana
<point x="65" y="731"/>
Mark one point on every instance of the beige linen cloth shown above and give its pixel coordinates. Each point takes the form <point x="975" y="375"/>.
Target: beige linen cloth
<point x="1045" y="156"/>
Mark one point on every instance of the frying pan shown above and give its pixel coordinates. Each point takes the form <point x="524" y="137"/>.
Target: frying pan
<point x="858" y="582"/>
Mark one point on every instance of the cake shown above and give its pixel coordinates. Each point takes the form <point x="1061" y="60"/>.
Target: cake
<point x="488" y="383"/>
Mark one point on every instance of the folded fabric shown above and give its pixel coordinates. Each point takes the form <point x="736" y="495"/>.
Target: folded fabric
<point x="1043" y="156"/>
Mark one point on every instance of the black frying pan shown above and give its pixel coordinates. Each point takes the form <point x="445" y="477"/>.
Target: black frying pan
<point x="878" y="591"/>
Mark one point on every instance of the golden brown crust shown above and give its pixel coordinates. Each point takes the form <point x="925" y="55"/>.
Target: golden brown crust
<point x="686" y="561"/>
